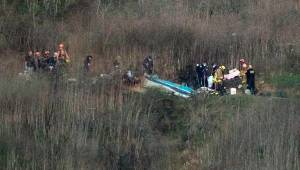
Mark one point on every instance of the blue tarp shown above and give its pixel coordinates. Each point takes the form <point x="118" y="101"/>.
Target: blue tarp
<point x="185" y="90"/>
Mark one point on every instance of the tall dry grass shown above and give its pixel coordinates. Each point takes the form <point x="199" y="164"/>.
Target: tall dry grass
<point x="48" y="123"/>
<point x="178" y="33"/>
<point x="102" y="126"/>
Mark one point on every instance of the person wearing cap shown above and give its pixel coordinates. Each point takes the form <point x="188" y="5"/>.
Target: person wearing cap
<point x="250" y="74"/>
<point x="205" y="74"/>
<point x="199" y="71"/>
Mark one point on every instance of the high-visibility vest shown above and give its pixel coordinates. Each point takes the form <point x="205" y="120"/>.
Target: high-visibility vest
<point x="219" y="76"/>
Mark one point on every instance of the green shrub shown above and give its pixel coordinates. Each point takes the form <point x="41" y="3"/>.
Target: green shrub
<point x="287" y="80"/>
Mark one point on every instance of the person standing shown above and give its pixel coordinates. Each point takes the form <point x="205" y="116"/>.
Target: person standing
<point x="88" y="63"/>
<point x="218" y="79"/>
<point x="51" y="62"/>
<point x="63" y="60"/>
<point x="243" y="74"/>
<point x="44" y="59"/>
<point x="199" y="71"/>
<point x="148" y="65"/>
<point x="250" y="74"/>
<point x="37" y="59"/>
<point x="242" y="61"/>
<point x="63" y="56"/>
<point x="30" y="62"/>
<point x="214" y="68"/>
<point x="205" y="74"/>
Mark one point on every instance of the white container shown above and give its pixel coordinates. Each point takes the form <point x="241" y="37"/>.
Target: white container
<point x="233" y="91"/>
<point x="210" y="81"/>
<point x="248" y="92"/>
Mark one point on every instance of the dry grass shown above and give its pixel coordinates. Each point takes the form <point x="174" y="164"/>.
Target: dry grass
<point x="104" y="127"/>
<point x="45" y="124"/>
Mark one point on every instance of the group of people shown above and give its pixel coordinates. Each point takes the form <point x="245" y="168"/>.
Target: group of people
<point x="210" y="77"/>
<point x="248" y="76"/>
<point x="214" y="78"/>
<point x="45" y="61"/>
<point x="130" y="78"/>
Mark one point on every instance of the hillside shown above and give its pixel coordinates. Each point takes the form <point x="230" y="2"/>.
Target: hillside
<point x="48" y="122"/>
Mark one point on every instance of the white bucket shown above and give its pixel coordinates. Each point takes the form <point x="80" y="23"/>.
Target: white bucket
<point x="233" y="91"/>
<point x="248" y="92"/>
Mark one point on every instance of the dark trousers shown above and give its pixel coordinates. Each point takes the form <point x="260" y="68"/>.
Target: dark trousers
<point x="199" y="79"/>
<point x="204" y="81"/>
<point x="251" y="86"/>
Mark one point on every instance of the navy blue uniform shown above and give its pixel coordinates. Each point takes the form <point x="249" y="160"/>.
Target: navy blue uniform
<point x="250" y="75"/>
<point x="199" y="71"/>
<point x="205" y="74"/>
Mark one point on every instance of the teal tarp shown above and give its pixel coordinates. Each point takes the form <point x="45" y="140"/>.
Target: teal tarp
<point x="174" y="86"/>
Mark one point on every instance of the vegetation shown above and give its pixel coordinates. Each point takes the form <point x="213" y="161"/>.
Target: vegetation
<point x="287" y="80"/>
<point x="99" y="127"/>
<point x="49" y="123"/>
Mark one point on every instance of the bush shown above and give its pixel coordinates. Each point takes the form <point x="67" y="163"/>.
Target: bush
<point x="287" y="80"/>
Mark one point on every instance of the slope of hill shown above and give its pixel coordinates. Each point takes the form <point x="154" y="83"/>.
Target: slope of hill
<point x="49" y="123"/>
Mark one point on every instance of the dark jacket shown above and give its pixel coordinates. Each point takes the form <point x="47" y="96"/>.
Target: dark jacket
<point x="87" y="63"/>
<point x="250" y="74"/>
<point x="43" y="62"/>
<point x="199" y="70"/>
<point x="205" y="71"/>
<point x="30" y="62"/>
<point x="148" y="64"/>
<point x="51" y="61"/>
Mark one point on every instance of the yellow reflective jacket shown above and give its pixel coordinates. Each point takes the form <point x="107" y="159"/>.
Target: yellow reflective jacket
<point x="218" y="76"/>
<point x="243" y="75"/>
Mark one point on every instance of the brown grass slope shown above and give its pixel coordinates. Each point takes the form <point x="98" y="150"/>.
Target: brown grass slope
<point x="48" y="124"/>
<point x="83" y="126"/>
